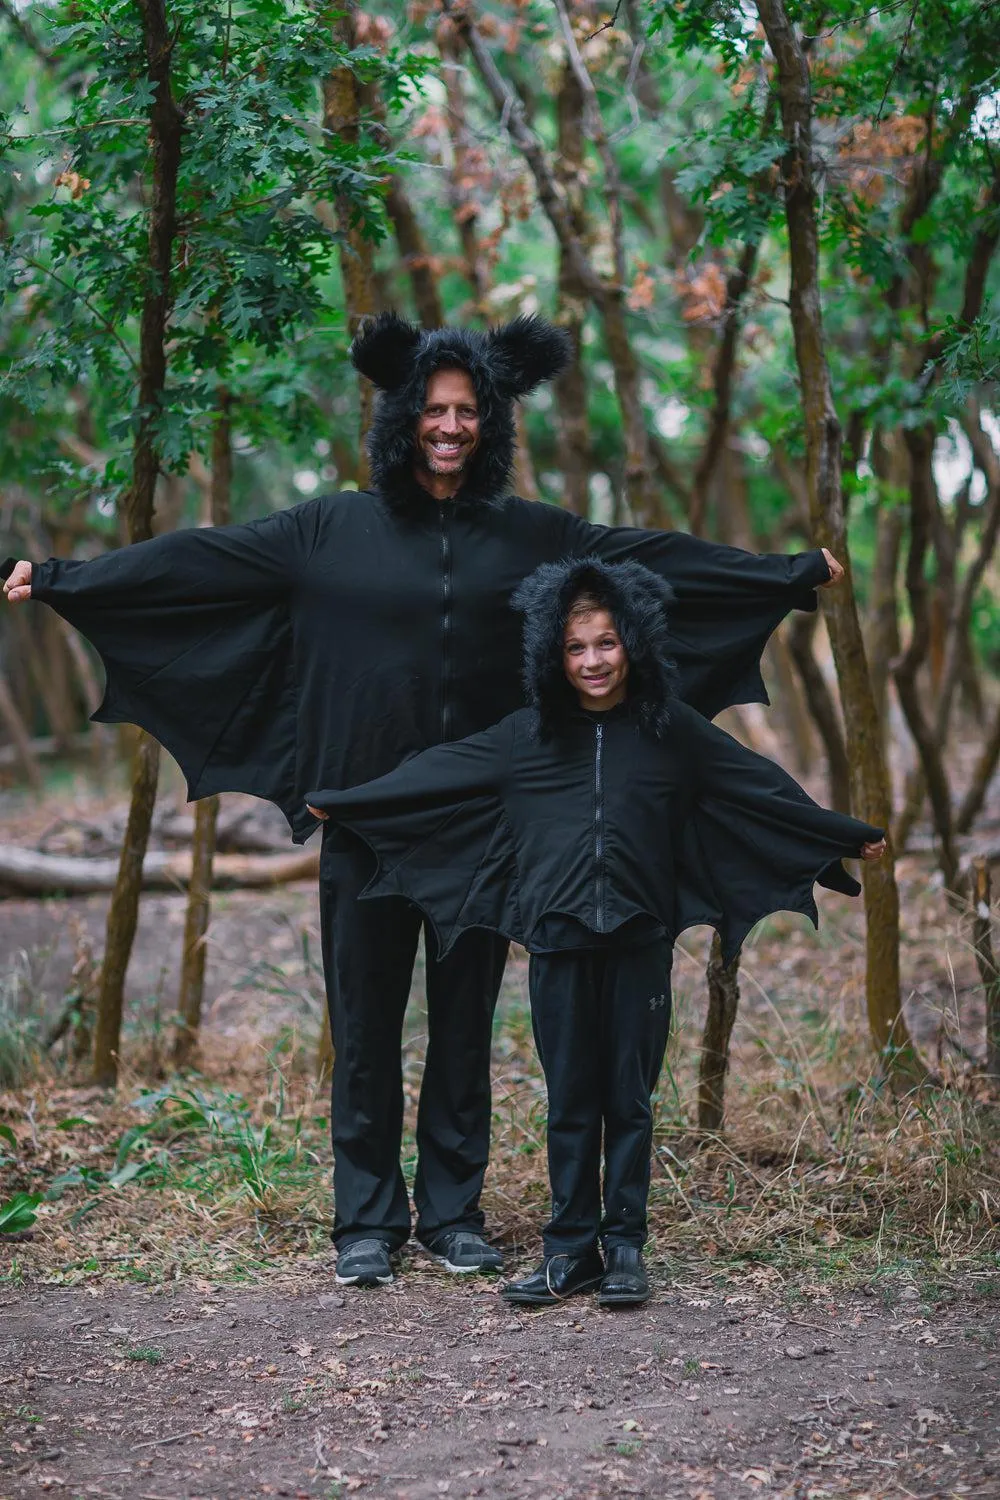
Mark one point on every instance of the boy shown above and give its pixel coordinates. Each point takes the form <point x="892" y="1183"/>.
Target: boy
<point x="593" y="827"/>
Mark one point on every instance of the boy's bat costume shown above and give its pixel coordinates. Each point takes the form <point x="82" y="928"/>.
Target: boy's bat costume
<point x="595" y="839"/>
<point x="566" y="829"/>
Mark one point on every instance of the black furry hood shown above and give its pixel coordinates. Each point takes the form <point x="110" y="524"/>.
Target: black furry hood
<point x="505" y="363"/>
<point x="635" y="599"/>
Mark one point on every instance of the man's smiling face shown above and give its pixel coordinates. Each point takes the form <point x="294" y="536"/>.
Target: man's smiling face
<point x="447" y="432"/>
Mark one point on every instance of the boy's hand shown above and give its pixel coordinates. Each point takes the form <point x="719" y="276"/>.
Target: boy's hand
<point x="18" y="585"/>
<point x="836" y="574"/>
<point x="316" y="813"/>
<point x="868" y="851"/>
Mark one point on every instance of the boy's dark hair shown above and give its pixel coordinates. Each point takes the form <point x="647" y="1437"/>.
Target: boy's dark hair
<point x="635" y="599"/>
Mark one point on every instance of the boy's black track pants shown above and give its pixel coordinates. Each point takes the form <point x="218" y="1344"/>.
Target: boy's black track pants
<point x="601" y="1019"/>
<point x="368" y="953"/>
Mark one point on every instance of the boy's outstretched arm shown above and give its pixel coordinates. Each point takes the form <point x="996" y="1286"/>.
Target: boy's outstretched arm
<point x="755" y="841"/>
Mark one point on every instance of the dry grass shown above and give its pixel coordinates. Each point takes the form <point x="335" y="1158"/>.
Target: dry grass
<point x="822" y="1176"/>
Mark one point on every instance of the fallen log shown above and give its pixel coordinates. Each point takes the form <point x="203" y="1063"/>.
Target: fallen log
<point x="46" y="746"/>
<point x="28" y="873"/>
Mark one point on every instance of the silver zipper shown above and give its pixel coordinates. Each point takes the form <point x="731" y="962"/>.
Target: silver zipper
<point x="446" y="607"/>
<point x="599" y="825"/>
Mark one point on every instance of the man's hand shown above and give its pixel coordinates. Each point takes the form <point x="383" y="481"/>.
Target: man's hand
<point x="18" y="585"/>
<point x="316" y="813"/>
<point x="873" y="851"/>
<point x="836" y="570"/>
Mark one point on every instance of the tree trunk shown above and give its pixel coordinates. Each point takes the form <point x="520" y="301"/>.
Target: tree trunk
<point x="869" y="782"/>
<point x="957" y="654"/>
<point x="101" y="735"/>
<point x="571" y="385"/>
<point x="989" y="973"/>
<point x="28" y="873"/>
<point x="920" y="445"/>
<point x="723" y="1002"/>
<point x="640" y="491"/>
<point x="607" y="296"/>
<point x="463" y="173"/>
<point x="199" y="902"/>
<point x="723" y="370"/>
<point x="793" y="703"/>
<point x="882" y="629"/>
<point x="20" y="739"/>
<point x="416" y="257"/>
<point x="342" y="105"/>
<point x="28" y="639"/>
<point x="801" y="631"/>
<point x="983" y="774"/>
<point x="165" y="146"/>
<point x="124" y="911"/>
<point x="196" y="919"/>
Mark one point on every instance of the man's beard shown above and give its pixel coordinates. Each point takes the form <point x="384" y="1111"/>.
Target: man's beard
<point x="425" y="461"/>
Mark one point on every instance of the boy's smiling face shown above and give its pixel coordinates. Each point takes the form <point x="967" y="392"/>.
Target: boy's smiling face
<point x="594" y="660"/>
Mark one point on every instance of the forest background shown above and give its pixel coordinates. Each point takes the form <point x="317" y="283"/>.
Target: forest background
<point x="771" y="231"/>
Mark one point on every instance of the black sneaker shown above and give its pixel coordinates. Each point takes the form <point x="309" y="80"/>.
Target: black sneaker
<point x="365" y="1263"/>
<point x="464" y="1253"/>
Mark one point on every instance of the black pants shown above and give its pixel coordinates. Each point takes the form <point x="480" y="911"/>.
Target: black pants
<point x="368" y="953"/>
<point x="601" y="1019"/>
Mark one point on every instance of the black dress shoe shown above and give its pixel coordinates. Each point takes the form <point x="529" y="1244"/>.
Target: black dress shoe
<point x="625" y="1283"/>
<point x="558" y="1277"/>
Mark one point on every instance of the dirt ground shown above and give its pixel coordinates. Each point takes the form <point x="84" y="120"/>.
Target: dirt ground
<point x="740" y="1378"/>
<point x="432" y="1388"/>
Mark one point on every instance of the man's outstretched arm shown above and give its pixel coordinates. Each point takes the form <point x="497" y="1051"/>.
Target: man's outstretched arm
<point x="194" y="632"/>
<point x="727" y="603"/>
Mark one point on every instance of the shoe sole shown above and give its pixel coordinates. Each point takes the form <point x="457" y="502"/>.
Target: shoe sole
<point x="363" y="1281"/>
<point x="453" y="1270"/>
<point x="628" y="1299"/>
<point x="552" y="1301"/>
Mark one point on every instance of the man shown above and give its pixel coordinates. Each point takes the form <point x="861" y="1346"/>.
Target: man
<point x="324" y="644"/>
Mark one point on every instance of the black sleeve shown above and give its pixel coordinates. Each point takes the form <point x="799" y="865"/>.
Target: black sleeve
<point x="437" y="828"/>
<point x="194" y="632"/>
<point x="754" y="842"/>
<point x="727" y="603"/>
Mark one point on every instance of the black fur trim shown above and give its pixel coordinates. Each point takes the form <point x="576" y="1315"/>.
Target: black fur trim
<point x="399" y="358"/>
<point x="636" y="600"/>
<point x="526" y="352"/>
<point x="384" y="348"/>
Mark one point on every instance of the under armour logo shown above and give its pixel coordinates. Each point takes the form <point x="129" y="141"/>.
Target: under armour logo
<point x="659" y="1002"/>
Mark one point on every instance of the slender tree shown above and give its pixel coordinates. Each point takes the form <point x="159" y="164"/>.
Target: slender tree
<point x="206" y="812"/>
<point x="166" y="134"/>
<point x="869" y="782"/>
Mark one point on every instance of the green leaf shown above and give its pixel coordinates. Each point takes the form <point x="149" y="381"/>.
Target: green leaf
<point x="18" y="1213"/>
<point x="129" y="1172"/>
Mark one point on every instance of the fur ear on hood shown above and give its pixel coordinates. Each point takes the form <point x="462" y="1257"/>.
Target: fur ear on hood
<point x="638" y="603"/>
<point x="529" y="351"/>
<point x="399" y="358"/>
<point x="384" y="349"/>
